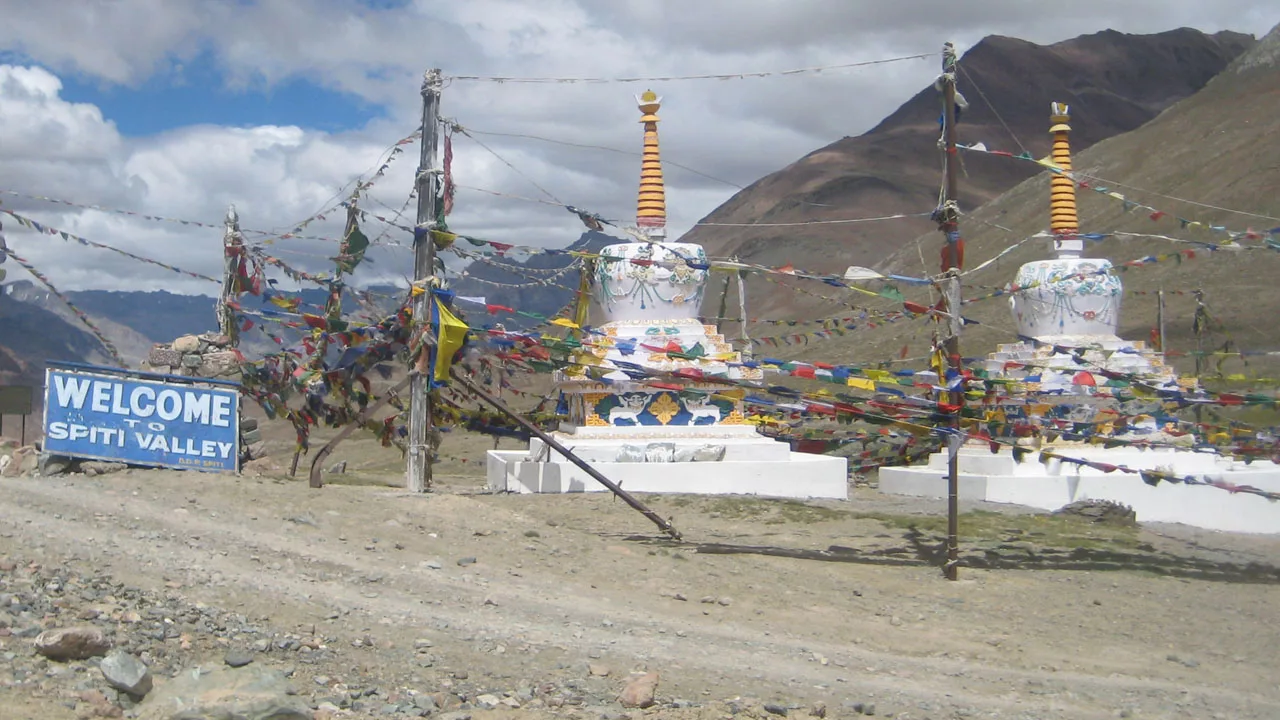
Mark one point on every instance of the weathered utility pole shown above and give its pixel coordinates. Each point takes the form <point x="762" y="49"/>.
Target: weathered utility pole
<point x="233" y="264"/>
<point x="418" y="467"/>
<point x="1160" y="318"/>
<point x="948" y="216"/>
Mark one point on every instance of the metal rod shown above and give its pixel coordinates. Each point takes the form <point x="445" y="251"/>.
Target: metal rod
<point x="316" y="480"/>
<point x="551" y="442"/>
<point x="418" y="465"/>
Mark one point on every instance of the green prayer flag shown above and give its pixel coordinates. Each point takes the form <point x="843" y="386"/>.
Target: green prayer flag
<point x="892" y="293"/>
<point x="352" y="249"/>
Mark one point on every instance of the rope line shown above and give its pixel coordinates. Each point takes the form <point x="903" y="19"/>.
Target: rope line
<point x="673" y="78"/>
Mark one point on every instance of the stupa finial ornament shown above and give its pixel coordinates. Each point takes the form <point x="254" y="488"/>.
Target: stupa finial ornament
<point x="651" y="210"/>
<point x="1071" y="297"/>
<point x="1063" y="218"/>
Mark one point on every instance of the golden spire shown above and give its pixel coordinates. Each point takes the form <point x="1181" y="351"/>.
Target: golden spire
<point x="651" y="210"/>
<point x="1062" y="189"/>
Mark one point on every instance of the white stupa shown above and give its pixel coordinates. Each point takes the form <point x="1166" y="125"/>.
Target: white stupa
<point x="1069" y="306"/>
<point x="680" y="433"/>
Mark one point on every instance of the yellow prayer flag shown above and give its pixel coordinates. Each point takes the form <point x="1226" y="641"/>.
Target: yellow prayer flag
<point x="566" y="322"/>
<point x="861" y="383"/>
<point x="451" y="333"/>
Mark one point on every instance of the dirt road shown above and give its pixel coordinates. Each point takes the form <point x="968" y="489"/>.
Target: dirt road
<point x="550" y="602"/>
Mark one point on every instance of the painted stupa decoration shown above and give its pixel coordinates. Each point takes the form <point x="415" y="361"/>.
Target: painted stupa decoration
<point x="648" y="293"/>
<point x="1069" y="295"/>
<point x="1069" y="305"/>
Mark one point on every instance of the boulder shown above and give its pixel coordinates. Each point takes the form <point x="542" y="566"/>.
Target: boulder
<point x="223" y="362"/>
<point x="50" y="465"/>
<point x="22" y="461"/>
<point x="164" y="357"/>
<point x="639" y="691"/>
<point x="126" y="673"/>
<point x="187" y="344"/>
<point x="98" y="467"/>
<point x="74" y="643"/>
<point x="247" y="693"/>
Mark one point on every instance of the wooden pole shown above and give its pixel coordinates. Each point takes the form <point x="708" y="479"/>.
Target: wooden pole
<point x="316" y="479"/>
<point x="418" y="465"/>
<point x="948" y="223"/>
<point x="747" y="352"/>
<point x="233" y="260"/>
<point x="662" y="523"/>
<point x="332" y="309"/>
<point x="1160" y="317"/>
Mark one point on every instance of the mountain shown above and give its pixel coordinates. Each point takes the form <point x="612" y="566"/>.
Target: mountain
<point x="1211" y="152"/>
<point x="1113" y="81"/>
<point x="33" y="335"/>
<point x="134" y="321"/>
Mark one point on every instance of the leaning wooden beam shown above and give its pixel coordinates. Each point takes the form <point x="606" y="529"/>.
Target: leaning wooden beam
<point x="316" y="480"/>
<point x="551" y="442"/>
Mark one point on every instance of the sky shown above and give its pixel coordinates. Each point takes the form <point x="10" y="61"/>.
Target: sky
<point x="179" y="108"/>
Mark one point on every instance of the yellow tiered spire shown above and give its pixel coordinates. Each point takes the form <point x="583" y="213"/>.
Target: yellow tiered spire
<point x="1062" y="189"/>
<point x="651" y="210"/>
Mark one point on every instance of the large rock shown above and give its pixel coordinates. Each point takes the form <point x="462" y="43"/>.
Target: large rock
<point x="96" y="467"/>
<point x="51" y="465"/>
<point x="247" y="693"/>
<point x="163" y="357"/>
<point x="215" y="364"/>
<point x="74" y="643"/>
<point x="639" y="691"/>
<point x="126" y="673"/>
<point x="21" y="461"/>
<point x="187" y="344"/>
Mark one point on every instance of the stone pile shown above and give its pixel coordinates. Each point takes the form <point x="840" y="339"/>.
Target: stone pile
<point x="208" y="356"/>
<point x="211" y="356"/>
<point x="16" y="460"/>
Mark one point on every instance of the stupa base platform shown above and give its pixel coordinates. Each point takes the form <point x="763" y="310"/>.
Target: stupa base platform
<point x="1000" y="478"/>
<point x="711" y="460"/>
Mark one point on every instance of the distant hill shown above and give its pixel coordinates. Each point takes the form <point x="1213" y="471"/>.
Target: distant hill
<point x="1216" y="149"/>
<point x="1114" y="83"/>
<point x="31" y="335"/>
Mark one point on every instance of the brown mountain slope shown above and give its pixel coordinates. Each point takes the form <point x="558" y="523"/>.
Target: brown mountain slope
<point x="1116" y="82"/>
<point x="1216" y="148"/>
<point x="30" y="335"/>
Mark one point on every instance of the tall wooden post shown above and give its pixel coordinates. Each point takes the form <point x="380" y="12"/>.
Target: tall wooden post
<point x="948" y="217"/>
<point x="233" y="263"/>
<point x="1160" y="318"/>
<point x="418" y="467"/>
<point x="333" y="303"/>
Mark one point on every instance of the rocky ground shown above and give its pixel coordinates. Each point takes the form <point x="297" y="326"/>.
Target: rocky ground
<point x="362" y="601"/>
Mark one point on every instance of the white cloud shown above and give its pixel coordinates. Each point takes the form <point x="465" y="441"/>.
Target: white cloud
<point x="277" y="175"/>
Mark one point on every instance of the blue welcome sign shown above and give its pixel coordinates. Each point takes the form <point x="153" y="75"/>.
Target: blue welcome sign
<point x="140" y="418"/>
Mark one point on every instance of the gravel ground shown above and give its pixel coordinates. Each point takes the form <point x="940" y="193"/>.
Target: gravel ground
<point x="375" y="603"/>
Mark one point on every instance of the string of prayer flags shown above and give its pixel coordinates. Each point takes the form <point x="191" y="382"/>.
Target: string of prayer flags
<point x="1084" y="181"/>
<point x="80" y="314"/>
<point x="48" y="230"/>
